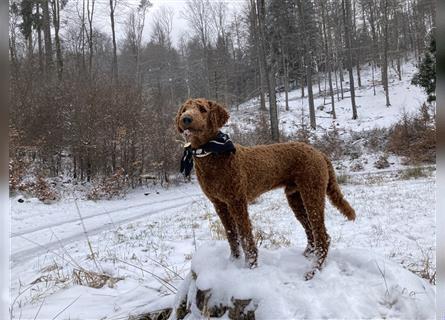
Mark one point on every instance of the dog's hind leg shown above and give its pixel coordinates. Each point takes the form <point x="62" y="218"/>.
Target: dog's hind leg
<point x="229" y="226"/>
<point x="297" y="206"/>
<point x="314" y="202"/>
<point x="238" y="211"/>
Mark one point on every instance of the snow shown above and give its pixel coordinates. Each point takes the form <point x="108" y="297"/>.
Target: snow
<point x="355" y="284"/>
<point x="34" y="222"/>
<point x="395" y="226"/>
<point x="372" y="110"/>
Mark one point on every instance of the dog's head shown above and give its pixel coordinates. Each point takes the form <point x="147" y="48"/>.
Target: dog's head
<point x="200" y="120"/>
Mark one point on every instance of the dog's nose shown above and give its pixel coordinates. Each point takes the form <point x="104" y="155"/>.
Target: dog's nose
<point x="187" y="120"/>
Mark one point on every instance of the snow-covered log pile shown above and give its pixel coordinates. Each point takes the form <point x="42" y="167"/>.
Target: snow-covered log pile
<point x="354" y="284"/>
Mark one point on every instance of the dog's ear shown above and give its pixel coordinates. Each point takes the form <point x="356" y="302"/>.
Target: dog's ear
<point x="218" y="115"/>
<point x="178" y="117"/>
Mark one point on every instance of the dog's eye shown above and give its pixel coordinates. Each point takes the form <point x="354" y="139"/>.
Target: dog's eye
<point x="202" y="109"/>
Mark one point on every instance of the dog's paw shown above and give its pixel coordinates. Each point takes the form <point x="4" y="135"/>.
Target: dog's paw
<point x="310" y="274"/>
<point x="234" y="257"/>
<point x="309" y="251"/>
<point x="252" y="263"/>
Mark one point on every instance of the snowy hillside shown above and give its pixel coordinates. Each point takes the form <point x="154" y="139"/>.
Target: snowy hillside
<point x="372" y="110"/>
<point x="143" y="246"/>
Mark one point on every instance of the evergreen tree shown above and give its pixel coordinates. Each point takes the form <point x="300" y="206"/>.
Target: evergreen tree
<point x="426" y="76"/>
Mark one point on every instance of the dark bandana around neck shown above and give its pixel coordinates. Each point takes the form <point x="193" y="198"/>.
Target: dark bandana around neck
<point x="220" y="144"/>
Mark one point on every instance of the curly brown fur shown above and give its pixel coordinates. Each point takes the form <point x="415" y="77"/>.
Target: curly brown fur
<point x="233" y="180"/>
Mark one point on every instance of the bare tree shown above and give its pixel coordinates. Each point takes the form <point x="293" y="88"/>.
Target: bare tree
<point x="39" y="38"/>
<point x="56" y="23"/>
<point x="385" y="12"/>
<point x="346" y="8"/>
<point x="161" y="35"/>
<point x="270" y="76"/>
<point x="114" y="68"/>
<point x="48" y="41"/>
<point x="90" y="4"/>
<point x="13" y="26"/>
<point x="307" y="60"/>
<point x="219" y="10"/>
<point x="198" y="14"/>
<point x="134" y="28"/>
<point x="370" y="7"/>
<point x="328" y="58"/>
<point x="259" y="52"/>
<point x="162" y="26"/>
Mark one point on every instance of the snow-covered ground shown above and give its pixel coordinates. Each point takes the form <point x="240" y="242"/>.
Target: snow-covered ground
<point x="355" y="284"/>
<point x="371" y="109"/>
<point x="146" y="243"/>
<point x="34" y="222"/>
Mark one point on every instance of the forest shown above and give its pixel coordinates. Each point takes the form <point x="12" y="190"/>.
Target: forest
<point x="90" y="103"/>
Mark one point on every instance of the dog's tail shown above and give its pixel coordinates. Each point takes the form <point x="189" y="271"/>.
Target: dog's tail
<point x="336" y="196"/>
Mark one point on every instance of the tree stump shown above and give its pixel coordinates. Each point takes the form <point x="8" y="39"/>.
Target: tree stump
<point x="202" y="304"/>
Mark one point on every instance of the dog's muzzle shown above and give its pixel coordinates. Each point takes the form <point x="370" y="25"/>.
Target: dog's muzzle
<point x="187" y="120"/>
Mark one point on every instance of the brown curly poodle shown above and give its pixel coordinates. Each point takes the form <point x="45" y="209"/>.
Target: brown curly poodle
<point x="232" y="180"/>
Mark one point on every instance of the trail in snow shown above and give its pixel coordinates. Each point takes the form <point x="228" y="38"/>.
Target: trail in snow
<point x="32" y="242"/>
<point x="118" y="210"/>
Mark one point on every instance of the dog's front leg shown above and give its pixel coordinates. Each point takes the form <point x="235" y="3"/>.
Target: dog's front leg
<point x="238" y="210"/>
<point x="229" y="226"/>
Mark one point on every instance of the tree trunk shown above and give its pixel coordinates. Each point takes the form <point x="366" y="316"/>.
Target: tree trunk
<point x="81" y="168"/>
<point x="285" y="79"/>
<point x="48" y="42"/>
<point x="90" y="15"/>
<point x="310" y="97"/>
<point x="399" y="71"/>
<point x="261" y="74"/>
<point x="286" y="85"/>
<point x="82" y="41"/>
<point x="74" y="166"/>
<point x="328" y="58"/>
<point x="39" y="39"/>
<point x="336" y="84"/>
<point x="347" y="22"/>
<point x="318" y="80"/>
<point x="359" y="80"/>
<point x="13" y="54"/>
<point x="341" y="79"/>
<point x="385" y="53"/>
<point x="307" y="65"/>
<point x="357" y="50"/>
<point x="302" y="77"/>
<point x="273" y="109"/>
<point x="30" y="48"/>
<point x="114" y="70"/>
<point x="270" y="76"/>
<point x="375" y="57"/>
<point x="56" y="23"/>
